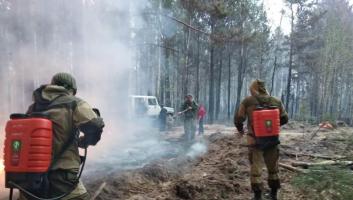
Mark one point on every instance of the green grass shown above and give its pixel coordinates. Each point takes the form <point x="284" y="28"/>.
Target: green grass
<point x="330" y="182"/>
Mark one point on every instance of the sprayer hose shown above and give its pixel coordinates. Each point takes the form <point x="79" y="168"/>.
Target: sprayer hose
<point x="54" y="198"/>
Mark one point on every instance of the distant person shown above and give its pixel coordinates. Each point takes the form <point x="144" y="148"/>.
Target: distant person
<point x="201" y="115"/>
<point x="189" y="110"/>
<point x="70" y="116"/>
<point x="261" y="149"/>
<point x="163" y="114"/>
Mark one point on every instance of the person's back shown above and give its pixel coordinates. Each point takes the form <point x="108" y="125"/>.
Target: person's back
<point x="201" y="114"/>
<point x="69" y="115"/>
<point x="163" y="114"/>
<point x="250" y="103"/>
<point x="261" y="149"/>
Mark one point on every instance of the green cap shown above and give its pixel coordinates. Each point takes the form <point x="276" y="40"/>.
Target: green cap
<point x="66" y="80"/>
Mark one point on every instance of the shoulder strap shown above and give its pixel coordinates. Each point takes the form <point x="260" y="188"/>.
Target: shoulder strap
<point x="74" y="132"/>
<point x="259" y="101"/>
<point x="71" y="106"/>
<point x="43" y="106"/>
<point x="267" y="105"/>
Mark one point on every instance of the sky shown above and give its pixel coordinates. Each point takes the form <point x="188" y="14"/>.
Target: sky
<point x="274" y="8"/>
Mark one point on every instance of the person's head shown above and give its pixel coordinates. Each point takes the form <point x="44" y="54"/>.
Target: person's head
<point x="162" y="106"/>
<point x="257" y="87"/>
<point x="189" y="98"/>
<point x="65" y="80"/>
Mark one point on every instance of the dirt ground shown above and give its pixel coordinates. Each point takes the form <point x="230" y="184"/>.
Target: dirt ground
<point x="214" y="167"/>
<point x="221" y="172"/>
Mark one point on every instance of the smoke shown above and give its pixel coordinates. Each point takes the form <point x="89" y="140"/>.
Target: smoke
<point x="91" y="40"/>
<point x="197" y="149"/>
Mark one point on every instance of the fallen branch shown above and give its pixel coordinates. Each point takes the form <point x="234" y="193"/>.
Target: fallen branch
<point x="329" y="162"/>
<point x="291" y="168"/>
<point x="315" y="156"/>
<point x="100" y="189"/>
<point x="315" y="133"/>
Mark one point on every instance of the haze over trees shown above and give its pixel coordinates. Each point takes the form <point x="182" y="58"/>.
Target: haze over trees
<point x="212" y="49"/>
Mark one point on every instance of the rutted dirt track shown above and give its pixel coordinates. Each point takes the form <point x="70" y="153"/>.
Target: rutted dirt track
<point x="221" y="173"/>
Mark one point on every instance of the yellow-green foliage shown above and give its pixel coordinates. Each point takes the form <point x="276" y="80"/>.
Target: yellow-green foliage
<point x="333" y="182"/>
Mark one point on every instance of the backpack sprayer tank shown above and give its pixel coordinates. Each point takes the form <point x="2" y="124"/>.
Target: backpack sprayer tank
<point x="27" y="149"/>
<point x="266" y="121"/>
<point x="266" y="126"/>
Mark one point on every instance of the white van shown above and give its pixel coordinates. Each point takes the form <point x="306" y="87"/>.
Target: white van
<point x="146" y="106"/>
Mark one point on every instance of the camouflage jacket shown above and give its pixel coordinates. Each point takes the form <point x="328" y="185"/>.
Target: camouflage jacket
<point x="249" y="104"/>
<point x="67" y="113"/>
<point x="192" y="113"/>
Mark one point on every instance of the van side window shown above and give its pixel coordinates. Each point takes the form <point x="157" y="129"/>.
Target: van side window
<point x="152" y="102"/>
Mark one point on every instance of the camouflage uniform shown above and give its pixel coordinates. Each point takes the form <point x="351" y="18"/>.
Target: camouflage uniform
<point x="190" y="119"/>
<point x="68" y="114"/>
<point x="257" y="156"/>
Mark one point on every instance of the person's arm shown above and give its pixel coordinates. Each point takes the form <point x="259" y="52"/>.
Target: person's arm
<point x="239" y="118"/>
<point x="88" y="122"/>
<point x="182" y="109"/>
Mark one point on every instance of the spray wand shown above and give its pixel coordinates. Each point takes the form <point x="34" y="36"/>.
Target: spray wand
<point x="184" y="111"/>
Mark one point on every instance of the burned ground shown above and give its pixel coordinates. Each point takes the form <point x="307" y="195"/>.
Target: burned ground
<point x="222" y="172"/>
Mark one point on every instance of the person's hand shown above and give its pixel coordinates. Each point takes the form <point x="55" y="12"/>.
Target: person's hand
<point x="82" y="142"/>
<point x="189" y="108"/>
<point x="179" y="113"/>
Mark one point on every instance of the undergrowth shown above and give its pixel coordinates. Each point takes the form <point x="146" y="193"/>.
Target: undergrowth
<point x="326" y="183"/>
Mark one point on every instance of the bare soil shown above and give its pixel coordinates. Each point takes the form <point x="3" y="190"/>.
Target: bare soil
<point x="223" y="171"/>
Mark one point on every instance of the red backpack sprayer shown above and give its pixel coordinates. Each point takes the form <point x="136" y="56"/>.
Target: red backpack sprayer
<point x="28" y="154"/>
<point x="266" y="126"/>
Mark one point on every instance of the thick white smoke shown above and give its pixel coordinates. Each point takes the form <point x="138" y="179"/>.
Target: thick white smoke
<point x="89" y="39"/>
<point x="92" y="40"/>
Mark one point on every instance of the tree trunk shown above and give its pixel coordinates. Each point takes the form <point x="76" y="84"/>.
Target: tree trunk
<point x="229" y="84"/>
<point x="241" y="71"/>
<point x="198" y="69"/>
<point x="218" y="98"/>
<point x="273" y="74"/>
<point x="211" y="86"/>
<point x="187" y="46"/>
<point x="290" y="60"/>
<point x="167" y="73"/>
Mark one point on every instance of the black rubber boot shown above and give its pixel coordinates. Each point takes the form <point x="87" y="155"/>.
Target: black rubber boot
<point x="275" y="185"/>
<point x="257" y="195"/>
<point x="256" y="188"/>
<point x="273" y="194"/>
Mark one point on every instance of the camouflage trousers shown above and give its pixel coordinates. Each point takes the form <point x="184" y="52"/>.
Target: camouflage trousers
<point x="257" y="159"/>
<point x="62" y="181"/>
<point x="189" y="128"/>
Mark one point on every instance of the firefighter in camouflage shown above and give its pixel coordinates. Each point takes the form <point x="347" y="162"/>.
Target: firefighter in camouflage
<point x="70" y="116"/>
<point x="258" y="153"/>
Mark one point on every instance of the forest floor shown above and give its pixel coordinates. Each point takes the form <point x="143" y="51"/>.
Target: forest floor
<point x="223" y="171"/>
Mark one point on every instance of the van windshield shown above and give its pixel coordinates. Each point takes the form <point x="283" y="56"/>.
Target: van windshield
<point x="152" y="102"/>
